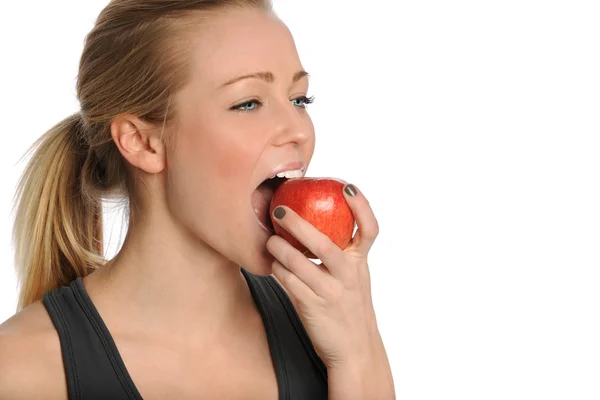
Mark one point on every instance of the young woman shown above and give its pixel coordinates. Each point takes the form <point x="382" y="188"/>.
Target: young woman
<point x="187" y="107"/>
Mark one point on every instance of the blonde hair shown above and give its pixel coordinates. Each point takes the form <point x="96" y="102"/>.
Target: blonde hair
<point x="135" y="59"/>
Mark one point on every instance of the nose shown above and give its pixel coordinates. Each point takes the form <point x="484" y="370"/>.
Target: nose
<point x="291" y="125"/>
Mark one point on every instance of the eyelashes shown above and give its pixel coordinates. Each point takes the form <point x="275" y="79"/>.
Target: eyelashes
<point x="254" y="104"/>
<point x="306" y="100"/>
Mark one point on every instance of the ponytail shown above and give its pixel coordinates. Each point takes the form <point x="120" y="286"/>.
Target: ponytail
<point x="57" y="234"/>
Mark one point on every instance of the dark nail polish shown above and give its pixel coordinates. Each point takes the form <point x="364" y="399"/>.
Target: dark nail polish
<point x="351" y="190"/>
<point x="279" y="212"/>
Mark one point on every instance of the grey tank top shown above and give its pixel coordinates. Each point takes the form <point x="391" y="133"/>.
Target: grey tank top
<point x="95" y="369"/>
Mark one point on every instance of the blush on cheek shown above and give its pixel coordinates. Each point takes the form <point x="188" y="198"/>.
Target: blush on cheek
<point x="231" y="162"/>
<point x="219" y="150"/>
<point x="226" y="166"/>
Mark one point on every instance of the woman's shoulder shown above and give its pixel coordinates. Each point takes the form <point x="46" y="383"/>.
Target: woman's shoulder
<point x="30" y="356"/>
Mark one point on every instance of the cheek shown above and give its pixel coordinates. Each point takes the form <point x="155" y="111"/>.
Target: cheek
<point x="229" y="160"/>
<point x="209" y="177"/>
<point x="308" y="148"/>
<point x="221" y="156"/>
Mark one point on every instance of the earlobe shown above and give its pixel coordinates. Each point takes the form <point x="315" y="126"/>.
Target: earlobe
<point x="138" y="142"/>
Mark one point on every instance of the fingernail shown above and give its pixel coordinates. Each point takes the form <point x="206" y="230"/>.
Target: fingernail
<point x="279" y="213"/>
<point x="351" y="190"/>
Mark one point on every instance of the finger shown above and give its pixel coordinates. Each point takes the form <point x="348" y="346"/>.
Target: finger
<point x="297" y="290"/>
<point x="315" y="241"/>
<point x="368" y="228"/>
<point x="314" y="276"/>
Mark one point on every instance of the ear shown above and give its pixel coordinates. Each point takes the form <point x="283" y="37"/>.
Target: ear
<point x="139" y="142"/>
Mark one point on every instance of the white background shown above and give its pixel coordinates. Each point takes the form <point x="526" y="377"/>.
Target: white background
<point x="473" y="127"/>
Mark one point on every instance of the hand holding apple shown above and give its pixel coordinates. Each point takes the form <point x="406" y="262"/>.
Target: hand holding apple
<point x="333" y="299"/>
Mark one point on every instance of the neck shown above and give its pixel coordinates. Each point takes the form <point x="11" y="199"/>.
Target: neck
<point x="164" y="284"/>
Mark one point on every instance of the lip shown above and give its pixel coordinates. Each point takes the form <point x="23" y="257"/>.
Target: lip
<point x="285" y="167"/>
<point x="264" y="228"/>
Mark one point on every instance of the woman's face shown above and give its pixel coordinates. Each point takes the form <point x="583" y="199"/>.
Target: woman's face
<point x="233" y="134"/>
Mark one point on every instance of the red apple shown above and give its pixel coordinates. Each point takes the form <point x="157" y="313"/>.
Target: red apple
<point x="321" y="202"/>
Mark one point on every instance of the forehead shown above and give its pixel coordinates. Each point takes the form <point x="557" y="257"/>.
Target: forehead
<point x="236" y="42"/>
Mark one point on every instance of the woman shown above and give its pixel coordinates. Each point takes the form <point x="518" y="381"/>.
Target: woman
<point x="187" y="107"/>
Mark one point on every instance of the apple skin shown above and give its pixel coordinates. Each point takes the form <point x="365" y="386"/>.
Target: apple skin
<point x="321" y="202"/>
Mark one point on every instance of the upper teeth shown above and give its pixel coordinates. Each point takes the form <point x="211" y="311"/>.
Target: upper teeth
<point x="297" y="173"/>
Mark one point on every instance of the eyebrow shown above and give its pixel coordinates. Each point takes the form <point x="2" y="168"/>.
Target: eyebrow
<point x="265" y="76"/>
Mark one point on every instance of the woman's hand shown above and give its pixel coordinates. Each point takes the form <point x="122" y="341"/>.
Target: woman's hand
<point x="334" y="301"/>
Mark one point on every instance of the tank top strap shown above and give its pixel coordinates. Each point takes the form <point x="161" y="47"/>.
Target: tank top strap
<point x="93" y="366"/>
<point x="305" y="374"/>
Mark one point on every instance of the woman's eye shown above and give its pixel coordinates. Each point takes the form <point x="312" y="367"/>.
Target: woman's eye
<point x="303" y="101"/>
<point x="252" y="105"/>
<point x="247" y="106"/>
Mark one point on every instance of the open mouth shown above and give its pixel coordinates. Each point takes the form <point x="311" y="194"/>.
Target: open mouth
<point x="261" y="201"/>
